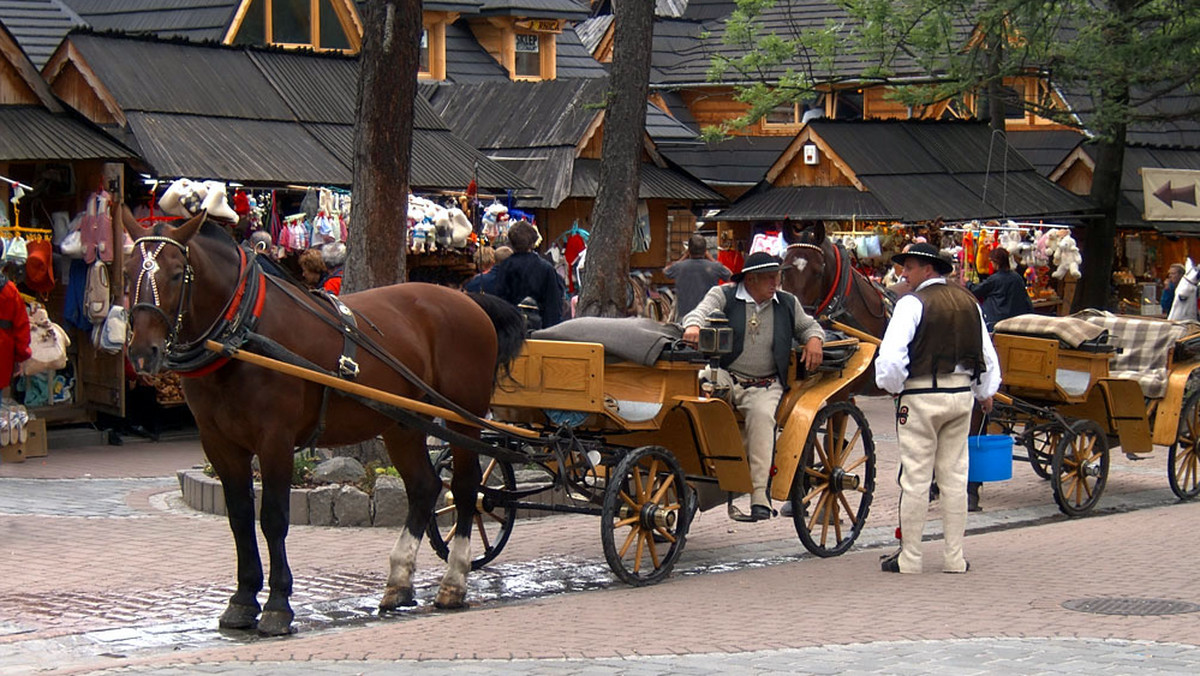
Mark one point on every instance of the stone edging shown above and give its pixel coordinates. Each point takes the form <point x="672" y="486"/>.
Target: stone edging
<point x="333" y="505"/>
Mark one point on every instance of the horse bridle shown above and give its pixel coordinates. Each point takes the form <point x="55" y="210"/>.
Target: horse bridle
<point x="148" y="270"/>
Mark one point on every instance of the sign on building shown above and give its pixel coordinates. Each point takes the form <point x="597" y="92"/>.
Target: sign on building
<point x="1170" y="194"/>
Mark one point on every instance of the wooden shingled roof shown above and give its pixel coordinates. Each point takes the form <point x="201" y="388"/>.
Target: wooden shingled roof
<point x="270" y="117"/>
<point x="912" y="171"/>
<point x="36" y="126"/>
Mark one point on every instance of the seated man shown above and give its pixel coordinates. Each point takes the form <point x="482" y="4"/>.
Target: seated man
<point x="765" y="321"/>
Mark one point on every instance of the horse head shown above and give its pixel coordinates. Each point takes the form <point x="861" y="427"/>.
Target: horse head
<point x="804" y="266"/>
<point x="157" y="275"/>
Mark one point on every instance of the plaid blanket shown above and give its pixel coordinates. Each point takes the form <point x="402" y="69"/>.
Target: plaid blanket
<point x="1070" y="331"/>
<point x="1145" y="346"/>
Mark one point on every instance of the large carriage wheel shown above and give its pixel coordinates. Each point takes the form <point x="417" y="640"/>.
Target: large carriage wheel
<point x="835" y="482"/>
<point x="493" y="523"/>
<point x="643" y="525"/>
<point x="1080" y="468"/>
<point x="1040" y="441"/>
<point x="1183" y="458"/>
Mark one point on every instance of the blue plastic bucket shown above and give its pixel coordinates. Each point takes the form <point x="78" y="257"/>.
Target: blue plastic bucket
<point x="990" y="457"/>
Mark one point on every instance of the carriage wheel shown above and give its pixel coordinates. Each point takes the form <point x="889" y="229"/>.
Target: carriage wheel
<point x="1040" y="442"/>
<point x="835" y="482"/>
<point x="1080" y="468"/>
<point x="1183" y="458"/>
<point x="643" y="526"/>
<point x="493" y="523"/>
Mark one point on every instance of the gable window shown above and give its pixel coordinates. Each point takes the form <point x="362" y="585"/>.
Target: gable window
<point x="319" y="24"/>
<point x="527" y="60"/>
<point x="787" y="114"/>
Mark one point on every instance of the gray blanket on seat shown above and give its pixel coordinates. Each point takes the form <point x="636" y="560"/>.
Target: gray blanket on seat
<point x="636" y="339"/>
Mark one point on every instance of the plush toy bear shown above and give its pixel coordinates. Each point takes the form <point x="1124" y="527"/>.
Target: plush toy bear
<point x="1067" y="257"/>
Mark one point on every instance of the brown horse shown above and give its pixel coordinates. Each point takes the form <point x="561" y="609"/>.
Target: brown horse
<point x="820" y="274"/>
<point x="192" y="282"/>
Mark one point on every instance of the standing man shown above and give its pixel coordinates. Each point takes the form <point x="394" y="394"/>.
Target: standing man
<point x="1174" y="274"/>
<point x="525" y="274"/>
<point x="937" y="360"/>
<point x="694" y="275"/>
<point x="764" y="320"/>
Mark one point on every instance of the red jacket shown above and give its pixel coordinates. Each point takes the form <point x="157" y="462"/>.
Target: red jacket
<point x="14" y="331"/>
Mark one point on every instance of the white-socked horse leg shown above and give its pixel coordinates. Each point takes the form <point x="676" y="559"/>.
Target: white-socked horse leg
<point x="401" y="564"/>
<point x="453" y="591"/>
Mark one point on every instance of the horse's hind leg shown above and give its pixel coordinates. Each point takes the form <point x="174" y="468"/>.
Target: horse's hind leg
<point x="406" y="448"/>
<point x="465" y="484"/>
<point x="276" y="463"/>
<point x="233" y="468"/>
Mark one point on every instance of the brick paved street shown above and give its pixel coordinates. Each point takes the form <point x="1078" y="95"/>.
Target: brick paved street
<point x="112" y="572"/>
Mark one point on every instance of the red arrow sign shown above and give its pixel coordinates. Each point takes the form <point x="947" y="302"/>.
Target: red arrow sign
<point x="1168" y="195"/>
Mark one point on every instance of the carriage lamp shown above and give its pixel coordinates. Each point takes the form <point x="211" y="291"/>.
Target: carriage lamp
<point x="716" y="338"/>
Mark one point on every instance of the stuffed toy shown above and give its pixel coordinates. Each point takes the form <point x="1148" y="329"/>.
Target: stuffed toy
<point x="1067" y="257"/>
<point x="983" y="261"/>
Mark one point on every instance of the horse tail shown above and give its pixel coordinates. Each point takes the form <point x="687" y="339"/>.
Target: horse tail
<point x="510" y="330"/>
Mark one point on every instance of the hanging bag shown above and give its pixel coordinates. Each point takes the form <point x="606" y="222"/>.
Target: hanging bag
<point x="113" y="333"/>
<point x="48" y="344"/>
<point x="97" y="294"/>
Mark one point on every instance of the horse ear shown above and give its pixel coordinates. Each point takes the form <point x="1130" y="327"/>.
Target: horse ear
<point x="135" y="229"/>
<point x="818" y="233"/>
<point x="185" y="232"/>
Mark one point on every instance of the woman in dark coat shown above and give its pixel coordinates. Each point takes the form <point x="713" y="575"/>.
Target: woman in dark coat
<point x="1002" y="294"/>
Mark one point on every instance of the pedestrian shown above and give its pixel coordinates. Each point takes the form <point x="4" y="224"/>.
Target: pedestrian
<point x="312" y="268"/>
<point x="1174" y="274"/>
<point x="936" y="359"/>
<point x="526" y="274"/>
<point x="765" y="321"/>
<point x="694" y="273"/>
<point x="1002" y="295"/>
<point x="333" y="255"/>
<point x="486" y="260"/>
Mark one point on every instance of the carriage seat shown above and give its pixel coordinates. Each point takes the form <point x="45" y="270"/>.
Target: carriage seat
<point x="1072" y="333"/>
<point x="1145" y="347"/>
<point x="637" y="339"/>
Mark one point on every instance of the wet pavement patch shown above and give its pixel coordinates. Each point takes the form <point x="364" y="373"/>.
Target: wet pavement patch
<point x="1124" y="606"/>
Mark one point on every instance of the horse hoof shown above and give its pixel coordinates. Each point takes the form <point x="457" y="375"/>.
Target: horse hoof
<point x="237" y="616"/>
<point x="451" y="598"/>
<point x="396" y="597"/>
<point x="276" y="623"/>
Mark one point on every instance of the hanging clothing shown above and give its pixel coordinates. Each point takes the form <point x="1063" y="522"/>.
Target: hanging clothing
<point x="14" y="331"/>
<point x="732" y="259"/>
<point x="95" y="230"/>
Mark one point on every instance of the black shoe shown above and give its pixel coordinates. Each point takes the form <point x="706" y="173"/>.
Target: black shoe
<point x="890" y="563"/>
<point x="785" y="509"/>
<point x="958" y="572"/>
<point x="760" y="512"/>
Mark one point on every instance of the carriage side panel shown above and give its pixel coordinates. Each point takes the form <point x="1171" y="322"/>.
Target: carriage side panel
<point x="555" y="375"/>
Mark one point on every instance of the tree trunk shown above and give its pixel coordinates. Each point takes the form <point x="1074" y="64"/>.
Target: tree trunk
<point x="387" y="83"/>
<point x="995" y="96"/>
<point x="1100" y="235"/>
<point x="606" y="274"/>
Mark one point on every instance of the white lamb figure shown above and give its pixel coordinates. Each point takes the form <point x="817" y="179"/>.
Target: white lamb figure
<point x="460" y="228"/>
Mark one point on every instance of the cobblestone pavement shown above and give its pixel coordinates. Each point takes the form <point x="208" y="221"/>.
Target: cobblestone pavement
<point x="934" y="658"/>
<point x="109" y="571"/>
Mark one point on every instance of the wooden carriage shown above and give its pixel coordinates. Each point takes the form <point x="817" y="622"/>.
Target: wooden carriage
<point x="1073" y="385"/>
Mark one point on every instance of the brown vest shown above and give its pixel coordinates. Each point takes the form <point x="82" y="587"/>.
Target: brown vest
<point x="949" y="334"/>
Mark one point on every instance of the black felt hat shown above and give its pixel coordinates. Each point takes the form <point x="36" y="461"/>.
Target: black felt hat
<point x="759" y="261"/>
<point x="925" y="253"/>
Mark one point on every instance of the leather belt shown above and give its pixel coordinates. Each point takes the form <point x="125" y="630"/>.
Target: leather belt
<point x="753" y="382"/>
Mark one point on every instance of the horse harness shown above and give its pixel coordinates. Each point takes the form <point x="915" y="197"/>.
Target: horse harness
<point x="834" y="305"/>
<point x="232" y="324"/>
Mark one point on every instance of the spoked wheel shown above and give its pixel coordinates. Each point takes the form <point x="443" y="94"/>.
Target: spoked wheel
<point x="1040" y="442"/>
<point x="493" y="523"/>
<point x="1080" y="468"/>
<point x="835" y="482"/>
<point x="1183" y="458"/>
<point x="643" y="524"/>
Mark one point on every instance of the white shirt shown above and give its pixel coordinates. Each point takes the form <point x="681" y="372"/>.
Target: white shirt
<point x="891" y="365"/>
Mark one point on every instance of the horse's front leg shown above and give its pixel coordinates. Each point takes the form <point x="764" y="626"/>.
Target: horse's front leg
<point x="465" y="484"/>
<point x="275" y="461"/>
<point x="409" y="456"/>
<point x="233" y="468"/>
